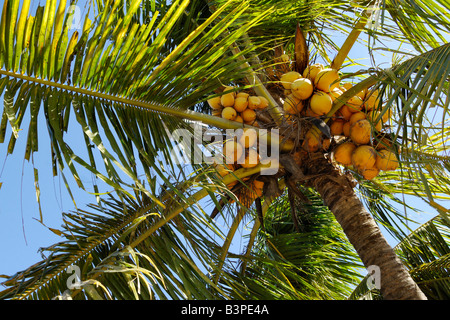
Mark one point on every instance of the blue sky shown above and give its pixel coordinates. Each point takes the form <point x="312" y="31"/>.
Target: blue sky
<point x="21" y="235"/>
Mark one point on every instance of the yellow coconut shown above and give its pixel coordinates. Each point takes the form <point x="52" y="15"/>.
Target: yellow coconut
<point x="302" y="88"/>
<point x="387" y="115"/>
<point x="248" y="138"/>
<point x="321" y="103"/>
<point x="386" y="160"/>
<point x="346" y="129"/>
<point x="254" y="102"/>
<point x="310" y="113"/>
<point x="326" y="143"/>
<point x="292" y="105"/>
<point x="312" y="141"/>
<point x="240" y="104"/>
<point x="258" y="187"/>
<point x="382" y="143"/>
<point x="374" y="117"/>
<point x="214" y="103"/>
<point x="264" y="103"/>
<point x="337" y="127"/>
<point x="289" y="77"/>
<point x="355" y="104"/>
<point x="217" y="112"/>
<point x="343" y="153"/>
<point x="312" y="70"/>
<point x="248" y="115"/>
<point x="327" y="80"/>
<point x="229" y="113"/>
<point x="251" y="159"/>
<point x="347" y="85"/>
<point x="285" y="58"/>
<point x="356" y="117"/>
<point x="361" y="131"/>
<point x="369" y="173"/>
<point x="239" y="119"/>
<point x="364" y="157"/>
<point x="227" y="100"/>
<point x="242" y="95"/>
<point x="344" y="112"/>
<point x="372" y="100"/>
<point x="335" y="94"/>
<point x="232" y="151"/>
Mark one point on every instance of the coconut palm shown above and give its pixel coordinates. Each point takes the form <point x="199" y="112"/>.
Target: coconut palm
<point x="137" y="74"/>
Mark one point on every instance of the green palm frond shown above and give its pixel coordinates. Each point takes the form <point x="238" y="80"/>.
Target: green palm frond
<point x="424" y="23"/>
<point x="306" y="259"/>
<point x="116" y="79"/>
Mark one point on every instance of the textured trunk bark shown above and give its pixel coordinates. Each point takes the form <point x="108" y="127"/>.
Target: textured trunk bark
<point x="362" y="231"/>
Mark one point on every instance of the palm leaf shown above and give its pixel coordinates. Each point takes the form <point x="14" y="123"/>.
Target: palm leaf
<point x="118" y="64"/>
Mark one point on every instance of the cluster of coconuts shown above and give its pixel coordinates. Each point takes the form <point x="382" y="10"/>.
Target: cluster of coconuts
<point x="313" y="93"/>
<point x="242" y="152"/>
<point x="237" y="106"/>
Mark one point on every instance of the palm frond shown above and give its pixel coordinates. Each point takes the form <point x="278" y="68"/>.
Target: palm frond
<point x="314" y="261"/>
<point x="117" y="79"/>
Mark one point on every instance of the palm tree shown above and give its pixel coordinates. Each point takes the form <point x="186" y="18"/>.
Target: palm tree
<point x="137" y="71"/>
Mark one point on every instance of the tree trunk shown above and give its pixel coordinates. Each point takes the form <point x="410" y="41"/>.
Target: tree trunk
<point x="363" y="233"/>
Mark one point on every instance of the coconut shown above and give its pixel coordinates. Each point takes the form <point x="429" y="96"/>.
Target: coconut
<point x="373" y="116"/>
<point x="289" y="77"/>
<point x="343" y="153"/>
<point x="264" y="103"/>
<point x="229" y="113"/>
<point x="327" y="80"/>
<point x="387" y="115"/>
<point x="355" y="104"/>
<point x="345" y="112"/>
<point x="371" y="100"/>
<point x="258" y="187"/>
<point x="242" y="95"/>
<point x="369" y="173"/>
<point x="364" y="157"/>
<point x="312" y="70"/>
<point x="232" y="151"/>
<point x="346" y="129"/>
<point x="386" y="160"/>
<point x="335" y="93"/>
<point x="248" y="115"/>
<point x="337" y="127"/>
<point x="361" y="131"/>
<point x="254" y="102"/>
<point x="251" y="159"/>
<point x="312" y="141"/>
<point x="217" y="112"/>
<point x="326" y="143"/>
<point x="248" y="138"/>
<point x="302" y="88"/>
<point x="227" y="100"/>
<point x="356" y="117"/>
<point x="239" y="119"/>
<point x="321" y="103"/>
<point x="214" y="103"/>
<point x="292" y="105"/>
<point x="310" y="113"/>
<point x="240" y="104"/>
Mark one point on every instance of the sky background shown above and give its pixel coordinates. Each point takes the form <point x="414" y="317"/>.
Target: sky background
<point x="21" y="234"/>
